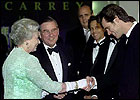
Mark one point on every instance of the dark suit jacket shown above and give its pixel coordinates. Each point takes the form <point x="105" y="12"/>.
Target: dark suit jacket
<point x="124" y="72"/>
<point x="107" y="88"/>
<point x="46" y="64"/>
<point x="129" y="77"/>
<point x="76" y="42"/>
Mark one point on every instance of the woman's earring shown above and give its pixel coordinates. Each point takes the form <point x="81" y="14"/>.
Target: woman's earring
<point x="27" y="44"/>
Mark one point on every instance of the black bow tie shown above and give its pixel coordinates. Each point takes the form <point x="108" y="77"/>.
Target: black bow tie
<point x="96" y="44"/>
<point x="112" y="40"/>
<point x="123" y="38"/>
<point x="50" y="50"/>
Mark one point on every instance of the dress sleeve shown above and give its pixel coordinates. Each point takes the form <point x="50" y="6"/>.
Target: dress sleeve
<point x="38" y="76"/>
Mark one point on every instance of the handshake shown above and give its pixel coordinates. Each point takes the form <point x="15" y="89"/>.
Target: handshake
<point x="71" y="87"/>
<point x="86" y="84"/>
<point x="68" y="87"/>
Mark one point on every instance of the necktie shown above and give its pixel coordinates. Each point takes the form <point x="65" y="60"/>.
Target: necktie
<point x="50" y="50"/>
<point x="86" y="34"/>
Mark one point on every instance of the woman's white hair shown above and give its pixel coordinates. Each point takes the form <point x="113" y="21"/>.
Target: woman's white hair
<point x="22" y="30"/>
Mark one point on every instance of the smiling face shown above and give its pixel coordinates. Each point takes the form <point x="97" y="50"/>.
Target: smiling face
<point x="97" y="31"/>
<point x="84" y="15"/>
<point x="49" y="33"/>
<point x="113" y="28"/>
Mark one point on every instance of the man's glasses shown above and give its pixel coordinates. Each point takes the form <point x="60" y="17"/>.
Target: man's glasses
<point x="54" y="30"/>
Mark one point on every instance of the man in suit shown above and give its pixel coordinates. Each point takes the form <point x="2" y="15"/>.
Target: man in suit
<point x="51" y="54"/>
<point x="117" y="22"/>
<point x="76" y="39"/>
<point x="96" y="60"/>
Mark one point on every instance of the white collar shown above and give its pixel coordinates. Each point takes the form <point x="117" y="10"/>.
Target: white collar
<point x="46" y="46"/>
<point x="99" y="40"/>
<point x="128" y="33"/>
<point x="86" y="30"/>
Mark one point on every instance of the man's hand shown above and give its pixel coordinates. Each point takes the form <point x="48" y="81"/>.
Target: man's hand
<point x="90" y="97"/>
<point x="90" y="83"/>
<point x="59" y="96"/>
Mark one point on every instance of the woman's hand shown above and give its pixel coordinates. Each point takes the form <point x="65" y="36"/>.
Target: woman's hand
<point x="61" y="96"/>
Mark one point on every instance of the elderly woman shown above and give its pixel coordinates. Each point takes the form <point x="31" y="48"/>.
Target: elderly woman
<point x="23" y="75"/>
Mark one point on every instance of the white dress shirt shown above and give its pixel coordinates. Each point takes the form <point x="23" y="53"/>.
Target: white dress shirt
<point x="95" y="52"/>
<point x="110" y="50"/>
<point x="56" y="63"/>
<point x="57" y="66"/>
<point x="86" y="33"/>
<point x="128" y="33"/>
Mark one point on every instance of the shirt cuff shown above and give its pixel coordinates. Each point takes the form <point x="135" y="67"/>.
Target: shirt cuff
<point x="95" y="86"/>
<point x="70" y="86"/>
<point x="76" y="85"/>
<point x="43" y="94"/>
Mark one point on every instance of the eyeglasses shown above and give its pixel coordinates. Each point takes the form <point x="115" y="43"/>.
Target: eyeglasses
<point x="54" y="30"/>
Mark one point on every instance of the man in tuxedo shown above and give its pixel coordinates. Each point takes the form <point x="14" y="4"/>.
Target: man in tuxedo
<point x="52" y="57"/>
<point x="96" y="60"/>
<point x="117" y="22"/>
<point x="77" y="38"/>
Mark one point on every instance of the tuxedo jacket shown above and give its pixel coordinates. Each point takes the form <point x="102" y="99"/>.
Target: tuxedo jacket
<point x="129" y="66"/>
<point x="46" y="64"/>
<point x="107" y="88"/>
<point x="123" y="75"/>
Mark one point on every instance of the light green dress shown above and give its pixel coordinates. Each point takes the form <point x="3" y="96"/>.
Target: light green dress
<point x="24" y="77"/>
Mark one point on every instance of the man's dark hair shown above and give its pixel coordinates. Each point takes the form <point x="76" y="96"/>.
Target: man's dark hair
<point x="111" y="11"/>
<point x="92" y="18"/>
<point x="48" y="19"/>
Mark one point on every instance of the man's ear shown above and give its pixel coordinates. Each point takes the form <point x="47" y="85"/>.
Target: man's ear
<point x="116" y="20"/>
<point x="92" y="14"/>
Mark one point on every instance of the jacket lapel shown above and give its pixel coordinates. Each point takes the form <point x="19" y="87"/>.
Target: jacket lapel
<point x="64" y="64"/>
<point x="46" y="63"/>
<point x="112" y="58"/>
